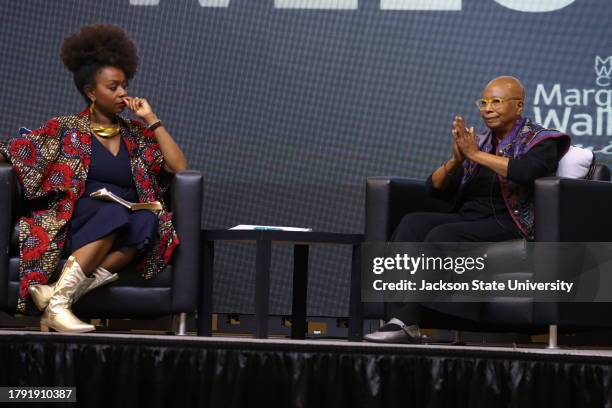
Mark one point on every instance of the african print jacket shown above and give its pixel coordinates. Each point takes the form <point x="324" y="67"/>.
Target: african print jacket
<point x="518" y="198"/>
<point x="51" y="164"/>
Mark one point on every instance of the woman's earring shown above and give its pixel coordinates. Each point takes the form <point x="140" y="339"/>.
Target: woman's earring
<point x="92" y="106"/>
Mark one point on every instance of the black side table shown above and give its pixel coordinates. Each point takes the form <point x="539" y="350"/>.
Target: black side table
<point x="264" y="239"/>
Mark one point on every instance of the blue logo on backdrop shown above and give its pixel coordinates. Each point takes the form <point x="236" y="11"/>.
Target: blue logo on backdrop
<point x="603" y="69"/>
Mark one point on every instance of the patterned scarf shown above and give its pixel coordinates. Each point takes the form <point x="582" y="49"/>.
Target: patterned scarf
<point x="518" y="198"/>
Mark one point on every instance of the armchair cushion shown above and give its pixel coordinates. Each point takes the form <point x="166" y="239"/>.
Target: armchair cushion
<point x="576" y="163"/>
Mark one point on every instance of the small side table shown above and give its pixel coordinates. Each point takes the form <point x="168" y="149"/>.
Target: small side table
<point x="301" y="241"/>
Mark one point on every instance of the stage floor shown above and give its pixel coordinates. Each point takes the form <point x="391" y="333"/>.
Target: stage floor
<point x="322" y="344"/>
<point x="114" y="369"/>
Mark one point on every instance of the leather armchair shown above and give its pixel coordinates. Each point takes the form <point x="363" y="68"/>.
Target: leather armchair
<point x="172" y="292"/>
<point x="566" y="210"/>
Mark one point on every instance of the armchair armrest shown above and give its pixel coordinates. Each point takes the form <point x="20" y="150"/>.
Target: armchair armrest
<point x="7" y="191"/>
<point x="569" y="210"/>
<point x="572" y="210"/>
<point x="388" y="199"/>
<point x="186" y="196"/>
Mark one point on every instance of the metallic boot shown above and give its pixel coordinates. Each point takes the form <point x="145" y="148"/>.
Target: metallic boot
<point x="41" y="294"/>
<point x="99" y="277"/>
<point x="58" y="315"/>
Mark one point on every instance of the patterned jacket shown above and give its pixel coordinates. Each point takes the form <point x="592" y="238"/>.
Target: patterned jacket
<point x="51" y="164"/>
<point x="518" y="199"/>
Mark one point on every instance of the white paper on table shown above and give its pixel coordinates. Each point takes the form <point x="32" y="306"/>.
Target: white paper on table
<point x="269" y="228"/>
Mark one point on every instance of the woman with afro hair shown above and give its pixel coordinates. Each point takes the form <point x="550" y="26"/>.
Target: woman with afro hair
<point x="62" y="163"/>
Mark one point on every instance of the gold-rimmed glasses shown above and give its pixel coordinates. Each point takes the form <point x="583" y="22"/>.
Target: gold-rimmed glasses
<point x="494" y="102"/>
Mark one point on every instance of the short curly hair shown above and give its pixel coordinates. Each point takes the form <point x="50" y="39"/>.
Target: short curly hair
<point x="94" y="47"/>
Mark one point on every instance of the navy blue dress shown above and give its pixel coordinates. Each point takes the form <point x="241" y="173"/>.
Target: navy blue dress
<point x="94" y="219"/>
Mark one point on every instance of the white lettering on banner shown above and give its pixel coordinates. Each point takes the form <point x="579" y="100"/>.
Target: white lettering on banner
<point x="214" y="3"/>
<point x="528" y="6"/>
<point x="531" y="6"/>
<point x="317" y="4"/>
<point x="203" y="3"/>
<point x="144" y="2"/>
<point x="552" y="118"/>
<point x="578" y="124"/>
<point x="579" y="112"/>
<point x="572" y="96"/>
<point x="582" y="125"/>
<point x="448" y="5"/>
<point x="279" y="4"/>
<point x="541" y="91"/>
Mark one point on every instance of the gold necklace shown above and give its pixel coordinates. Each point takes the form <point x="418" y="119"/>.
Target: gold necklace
<point x="106" y="132"/>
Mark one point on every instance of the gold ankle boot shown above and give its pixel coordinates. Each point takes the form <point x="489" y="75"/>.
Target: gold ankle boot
<point x="58" y="315"/>
<point x="41" y="294"/>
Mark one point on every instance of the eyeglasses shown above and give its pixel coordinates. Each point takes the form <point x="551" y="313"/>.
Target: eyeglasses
<point x="495" y="102"/>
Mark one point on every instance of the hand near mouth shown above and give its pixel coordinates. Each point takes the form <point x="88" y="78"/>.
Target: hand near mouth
<point x="139" y="106"/>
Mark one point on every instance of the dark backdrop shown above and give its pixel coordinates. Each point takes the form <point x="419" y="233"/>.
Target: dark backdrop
<point x="286" y="111"/>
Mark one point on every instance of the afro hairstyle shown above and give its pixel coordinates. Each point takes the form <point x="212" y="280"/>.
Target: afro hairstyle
<point x="94" y="47"/>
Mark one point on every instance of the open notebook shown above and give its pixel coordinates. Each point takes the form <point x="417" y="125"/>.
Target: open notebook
<point x="104" y="194"/>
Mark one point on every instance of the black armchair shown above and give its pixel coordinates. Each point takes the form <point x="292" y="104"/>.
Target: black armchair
<point x="172" y="292"/>
<point x="567" y="210"/>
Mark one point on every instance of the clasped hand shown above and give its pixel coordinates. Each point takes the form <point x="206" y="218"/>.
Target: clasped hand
<point x="464" y="140"/>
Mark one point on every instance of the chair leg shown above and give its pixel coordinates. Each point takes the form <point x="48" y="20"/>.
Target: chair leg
<point x="459" y="340"/>
<point x="552" y="337"/>
<point x="182" y="323"/>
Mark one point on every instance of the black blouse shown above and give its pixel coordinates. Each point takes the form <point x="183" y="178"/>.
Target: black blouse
<point x="481" y="196"/>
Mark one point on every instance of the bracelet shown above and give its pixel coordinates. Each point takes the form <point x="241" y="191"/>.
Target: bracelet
<point x="155" y="125"/>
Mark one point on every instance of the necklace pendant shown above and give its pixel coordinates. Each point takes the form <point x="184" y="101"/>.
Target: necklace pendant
<point x="106" y="132"/>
